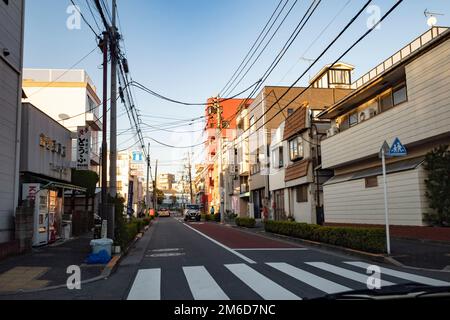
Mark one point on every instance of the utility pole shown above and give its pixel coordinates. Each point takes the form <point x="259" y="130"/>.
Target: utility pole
<point x="219" y="133"/>
<point x="113" y="134"/>
<point x="155" y="184"/>
<point x="148" y="178"/>
<point x="104" y="47"/>
<point x="190" y="178"/>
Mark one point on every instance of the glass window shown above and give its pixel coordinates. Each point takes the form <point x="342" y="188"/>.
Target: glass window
<point x="280" y="157"/>
<point x="296" y="149"/>
<point x="290" y="111"/>
<point x="353" y="119"/>
<point x="302" y="193"/>
<point x="399" y="95"/>
<point x="386" y="101"/>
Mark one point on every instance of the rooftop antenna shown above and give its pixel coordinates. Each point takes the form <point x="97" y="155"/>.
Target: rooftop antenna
<point x="432" y="20"/>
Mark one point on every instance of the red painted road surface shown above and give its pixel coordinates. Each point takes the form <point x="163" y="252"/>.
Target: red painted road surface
<point x="236" y="239"/>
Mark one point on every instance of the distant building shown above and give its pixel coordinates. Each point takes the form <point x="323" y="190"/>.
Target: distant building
<point x="166" y="181"/>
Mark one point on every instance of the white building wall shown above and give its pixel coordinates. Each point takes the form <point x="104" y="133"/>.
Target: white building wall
<point x="426" y="113"/>
<point x="350" y="202"/>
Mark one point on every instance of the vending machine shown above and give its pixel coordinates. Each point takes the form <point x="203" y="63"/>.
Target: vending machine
<point x="33" y="191"/>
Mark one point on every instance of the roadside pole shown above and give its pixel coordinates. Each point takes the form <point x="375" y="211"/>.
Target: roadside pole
<point x="147" y="198"/>
<point x="396" y="150"/>
<point x="386" y="209"/>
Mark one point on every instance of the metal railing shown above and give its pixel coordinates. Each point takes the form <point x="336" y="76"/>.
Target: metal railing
<point x="399" y="56"/>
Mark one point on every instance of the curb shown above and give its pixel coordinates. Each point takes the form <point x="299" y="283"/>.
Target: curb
<point x="106" y="273"/>
<point x="381" y="258"/>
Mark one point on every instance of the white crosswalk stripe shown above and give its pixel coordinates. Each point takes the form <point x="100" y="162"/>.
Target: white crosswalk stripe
<point x="403" y="275"/>
<point x="355" y="276"/>
<point x="147" y="285"/>
<point x="202" y="284"/>
<point x="309" y="278"/>
<point x="259" y="283"/>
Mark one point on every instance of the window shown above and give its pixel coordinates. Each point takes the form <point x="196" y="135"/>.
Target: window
<point x="371" y="182"/>
<point x="353" y="119"/>
<point x="277" y="158"/>
<point x="280" y="157"/>
<point x="399" y="95"/>
<point x="386" y="101"/>
<point x="290" y="111"/>
<point x="302" y="193"/>
<point x="339" y="76"/>
<point x="296" y="149"/>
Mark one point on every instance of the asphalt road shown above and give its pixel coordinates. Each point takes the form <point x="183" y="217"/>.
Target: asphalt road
<point x="207" y="261"/>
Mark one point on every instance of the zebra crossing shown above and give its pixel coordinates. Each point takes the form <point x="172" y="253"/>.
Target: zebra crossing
<point x="328" y="279"/>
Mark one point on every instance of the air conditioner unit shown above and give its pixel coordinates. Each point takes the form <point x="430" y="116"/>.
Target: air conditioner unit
<point x="367" y="114"/>
<point x="332" y="131"/>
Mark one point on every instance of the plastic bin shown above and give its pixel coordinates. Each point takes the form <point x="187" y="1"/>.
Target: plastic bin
<point x="101" y="244"/>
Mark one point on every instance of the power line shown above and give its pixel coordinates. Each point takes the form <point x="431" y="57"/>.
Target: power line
<point x="144" y="88"/>
<point x="265" y="47"/>
<point x="65" y="72"/>
<point x="251" y="49"/>
<point x="93" y="16"/>
<point x="336" y="61"/>
<point x="84" y="19"/>
<point x="302" y="56"/>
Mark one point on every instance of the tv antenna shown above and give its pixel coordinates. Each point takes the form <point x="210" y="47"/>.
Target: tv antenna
<point x="432" y="20"/>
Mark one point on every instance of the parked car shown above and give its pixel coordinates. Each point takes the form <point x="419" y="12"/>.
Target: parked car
<point x="163" y="212"/>
<point x="192" y="213"/>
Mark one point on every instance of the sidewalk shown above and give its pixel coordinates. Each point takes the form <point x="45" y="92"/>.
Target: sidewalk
<point x="421" y="254"/>
<point x="46" y="267"/>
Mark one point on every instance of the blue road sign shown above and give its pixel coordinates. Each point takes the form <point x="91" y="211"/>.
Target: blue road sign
<point x="397" y="149"/>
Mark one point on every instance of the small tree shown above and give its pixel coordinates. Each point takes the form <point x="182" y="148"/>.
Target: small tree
<point x="437" y="163"/>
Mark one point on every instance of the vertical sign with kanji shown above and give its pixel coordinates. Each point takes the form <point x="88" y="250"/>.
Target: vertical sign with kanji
<point x="83" y="148"/>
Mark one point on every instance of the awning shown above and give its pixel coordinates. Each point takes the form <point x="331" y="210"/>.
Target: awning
<point x="399" y="166"/>
<point x="61" y="185"/>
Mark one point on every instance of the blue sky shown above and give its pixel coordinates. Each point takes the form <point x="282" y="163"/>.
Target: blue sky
<point x="188" y="49"/>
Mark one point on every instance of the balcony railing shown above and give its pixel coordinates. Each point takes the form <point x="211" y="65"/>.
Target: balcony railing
<point x="245" y="188"/>
<point x="399" y="56"/>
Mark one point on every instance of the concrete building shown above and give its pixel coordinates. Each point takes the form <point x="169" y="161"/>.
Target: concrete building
<point x="69" y="97"/>
<point x="11" y="60"/>
<point x="214" y="183"/>
<point x="407" y="96"/>
<point x="165" y="181"/>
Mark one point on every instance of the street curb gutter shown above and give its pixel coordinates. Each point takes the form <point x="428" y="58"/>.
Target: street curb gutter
<point x="106" y="273"/>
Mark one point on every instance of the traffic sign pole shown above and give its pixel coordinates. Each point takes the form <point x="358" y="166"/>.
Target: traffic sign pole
<point x="386" y="209"/>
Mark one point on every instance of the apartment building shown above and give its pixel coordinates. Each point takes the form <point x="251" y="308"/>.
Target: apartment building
<point x="11" y="60"/>
<point x="265" y="119"/>
<point x="166" y="181"/>
<point x="295" y="175"/>
<point x="225" y="122"/>
<point x="406" y="96"/>
<point x="69" y="97"/>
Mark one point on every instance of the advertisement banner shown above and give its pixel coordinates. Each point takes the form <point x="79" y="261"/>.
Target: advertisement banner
<point x="83" y="148"/>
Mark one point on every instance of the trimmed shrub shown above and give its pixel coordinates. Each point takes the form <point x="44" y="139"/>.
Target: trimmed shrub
<point x="245" y="222"/>
<point x="364" y="239"/>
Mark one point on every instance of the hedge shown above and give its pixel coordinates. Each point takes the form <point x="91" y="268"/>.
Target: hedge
<point x="245" y="222"/>
<point x="364" y="239"/>
<point x="209" y="217"/>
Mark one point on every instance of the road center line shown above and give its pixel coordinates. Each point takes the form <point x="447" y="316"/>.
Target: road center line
<point x="223" y="246"/>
